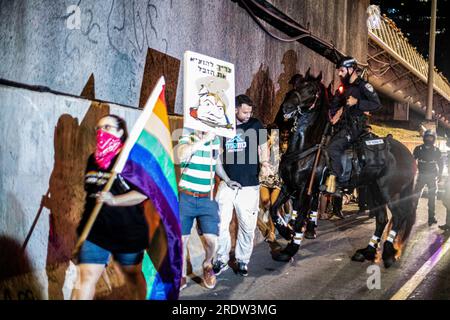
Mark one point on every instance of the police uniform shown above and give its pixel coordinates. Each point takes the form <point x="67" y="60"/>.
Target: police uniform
<point x="429" y="160"/>
<point x="446" y="199"/>
<point x="353" y="120"/>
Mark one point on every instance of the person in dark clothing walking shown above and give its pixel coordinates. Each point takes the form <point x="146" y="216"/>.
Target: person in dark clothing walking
<point x="446" y="199"/>
<point x="430" y="165"/>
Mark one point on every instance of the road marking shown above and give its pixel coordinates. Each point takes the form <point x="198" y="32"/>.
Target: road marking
<point x="420" y="275"/>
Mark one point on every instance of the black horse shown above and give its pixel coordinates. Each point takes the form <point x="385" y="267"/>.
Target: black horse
<point x="391" y="187"/>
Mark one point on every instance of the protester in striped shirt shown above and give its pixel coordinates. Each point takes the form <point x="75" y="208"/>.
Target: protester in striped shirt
<point x="198" y="155"/>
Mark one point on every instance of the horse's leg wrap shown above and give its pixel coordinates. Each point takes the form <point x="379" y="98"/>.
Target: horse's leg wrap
<point x="298" y="238"/>
<point x="389" y="251"/>
<point x="391" y="237"/>
<point x="313" y="217"/>
<point x="291" y="249"/>
<point x="280" y="224"/>
<point x="293" y="217"/>
<point x="311" y="226"/>
<point x="374" y="241"/>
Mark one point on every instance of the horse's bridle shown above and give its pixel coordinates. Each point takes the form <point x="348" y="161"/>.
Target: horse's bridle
<point x="299" y="109"/>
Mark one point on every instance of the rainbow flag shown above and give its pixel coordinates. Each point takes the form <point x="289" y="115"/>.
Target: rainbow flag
<point x="147" y="162"/>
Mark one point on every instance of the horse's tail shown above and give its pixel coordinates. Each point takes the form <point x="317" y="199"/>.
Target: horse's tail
<point x="409" y="203"/>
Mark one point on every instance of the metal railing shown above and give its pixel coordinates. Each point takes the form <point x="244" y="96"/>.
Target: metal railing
<point x="389" y="37"/>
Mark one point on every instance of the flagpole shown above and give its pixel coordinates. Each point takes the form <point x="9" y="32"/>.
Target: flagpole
<point x="210" y="169"/>
<point x="87" y="228"/>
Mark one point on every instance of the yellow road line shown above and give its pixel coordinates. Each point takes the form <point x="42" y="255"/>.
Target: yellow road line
<point x="420" y="275"/>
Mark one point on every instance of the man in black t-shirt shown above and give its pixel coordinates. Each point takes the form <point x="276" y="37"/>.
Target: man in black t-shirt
<point x="242" y="156"/>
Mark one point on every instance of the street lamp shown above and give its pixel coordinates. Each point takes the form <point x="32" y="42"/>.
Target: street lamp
<point x="429" y="113"/>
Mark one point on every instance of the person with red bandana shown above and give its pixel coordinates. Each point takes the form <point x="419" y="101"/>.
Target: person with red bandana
<point x="120" y="229"/>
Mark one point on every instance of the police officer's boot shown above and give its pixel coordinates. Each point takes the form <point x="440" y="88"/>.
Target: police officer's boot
<point x="446" y="226"/>
<point x="337" y="207"/>
<point x="431" y="220"/>
<point x="331" y="184"/>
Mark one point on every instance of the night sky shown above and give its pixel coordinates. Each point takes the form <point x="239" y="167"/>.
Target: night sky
<point x="413" y="18"/>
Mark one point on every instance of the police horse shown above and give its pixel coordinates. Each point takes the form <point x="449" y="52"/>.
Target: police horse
<point x="382" y="165"/>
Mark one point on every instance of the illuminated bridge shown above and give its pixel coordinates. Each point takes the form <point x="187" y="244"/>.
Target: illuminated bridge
<point x="400" y="72"/>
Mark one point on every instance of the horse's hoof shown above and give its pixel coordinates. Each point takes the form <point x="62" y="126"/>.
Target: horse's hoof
<point x="389" y="262"/>
<point x="310" y="232"/>
<point x="287" y="253"/>
<point x="389" y="253"/>
<point x="369" y="253"/>
<point x="358" y="256"/>
<point x="339" y="214"/>
<point x="281" y="256"/>
<point x="274" y="246"/>
<point x="291" y="248"/>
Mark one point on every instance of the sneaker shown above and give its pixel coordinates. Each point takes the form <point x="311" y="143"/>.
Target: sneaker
<point x="432" y="221"/>
<point x="209" y="278"/>
<point x="444" y="227"/>
<point x="183" y="283"/>
<point x="242" y="269"/>
<point x="219" y="267"/>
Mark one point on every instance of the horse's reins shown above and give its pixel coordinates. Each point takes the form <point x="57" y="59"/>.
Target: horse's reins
<point x="317" y="147"/>
<point x="297" y="156"/>
<point x="299" y="109"/>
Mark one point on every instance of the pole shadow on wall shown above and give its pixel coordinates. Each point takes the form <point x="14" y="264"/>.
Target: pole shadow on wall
<point x="73" y="143"/>
<point x="14" y="262"/>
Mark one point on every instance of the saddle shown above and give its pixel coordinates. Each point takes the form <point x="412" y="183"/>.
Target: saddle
<point x="366" y="160"/>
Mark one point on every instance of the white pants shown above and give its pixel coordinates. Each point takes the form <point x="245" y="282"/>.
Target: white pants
<point x="246" y="203"/>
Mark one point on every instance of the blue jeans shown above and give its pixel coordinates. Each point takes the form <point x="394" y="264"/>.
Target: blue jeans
<point x="93" y="254"/>
<point x="203" y="209"/>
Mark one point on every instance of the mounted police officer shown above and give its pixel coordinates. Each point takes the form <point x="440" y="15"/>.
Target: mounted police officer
<point x="430" y="165"/>
<point x="351" y="101"/>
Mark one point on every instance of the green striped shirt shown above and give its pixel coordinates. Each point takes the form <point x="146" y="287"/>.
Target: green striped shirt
<point x="197" y="174"/>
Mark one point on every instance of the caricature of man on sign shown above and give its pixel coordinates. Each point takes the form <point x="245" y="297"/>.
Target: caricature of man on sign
<point x="209" y="94"/>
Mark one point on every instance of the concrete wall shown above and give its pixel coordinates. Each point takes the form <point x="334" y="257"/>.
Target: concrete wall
<point x="46" y="141"/>
<point x="38" y="48"/>
<point x="47" y="137"/>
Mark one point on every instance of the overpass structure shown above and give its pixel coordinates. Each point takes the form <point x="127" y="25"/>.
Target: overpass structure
<point x="400" y="72"/>
<point x="394" y="66"/>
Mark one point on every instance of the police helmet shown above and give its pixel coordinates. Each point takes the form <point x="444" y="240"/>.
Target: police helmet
<point x="347" y="62"/>
<point x="429" y="133"/>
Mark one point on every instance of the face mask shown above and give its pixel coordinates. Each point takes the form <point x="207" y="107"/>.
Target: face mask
<point x="108" y="146"/>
